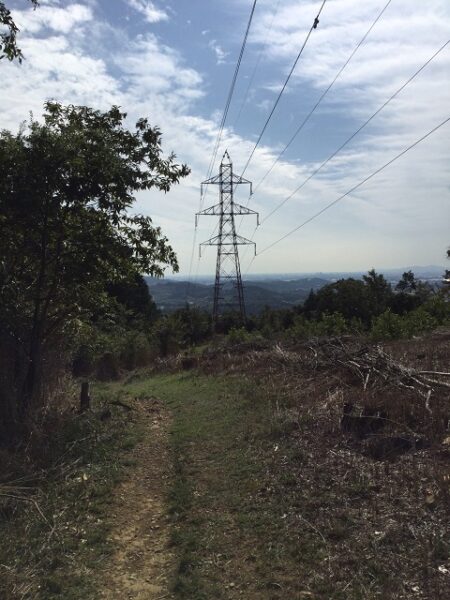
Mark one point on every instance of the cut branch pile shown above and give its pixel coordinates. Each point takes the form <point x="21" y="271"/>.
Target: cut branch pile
<point x="376" y="368"/>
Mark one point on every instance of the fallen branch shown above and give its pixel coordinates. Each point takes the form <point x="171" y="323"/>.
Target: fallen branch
<point x="121" y="404"/>
<point x="32" y="500"/>
<point x="434" y="373"/>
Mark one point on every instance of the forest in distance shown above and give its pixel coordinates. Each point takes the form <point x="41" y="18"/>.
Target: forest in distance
<point x="271" y="290"/>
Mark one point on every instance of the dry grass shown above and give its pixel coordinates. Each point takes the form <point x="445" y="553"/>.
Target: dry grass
<point x="54" y="498"/>
<point x="374" y="506"/>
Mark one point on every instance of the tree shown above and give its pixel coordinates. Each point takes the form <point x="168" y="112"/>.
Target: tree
<point x="66" y="232"/>
<point x="193" y="324"/>
<point x="407" y="283"/>
<point x="8" y="38"/>
<point x="134" y="296"/>
<point x="349" y="297"/>
<point x="380" y="292"/>
<point x="447" y="275"/>
<point x="310" y="303"/>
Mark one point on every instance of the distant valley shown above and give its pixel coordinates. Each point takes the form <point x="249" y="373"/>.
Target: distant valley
<point x="170" y="294"/>
<point x="274" y="290"/>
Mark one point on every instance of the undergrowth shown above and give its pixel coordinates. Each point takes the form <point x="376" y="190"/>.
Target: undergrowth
<point x="54" y="505"/>
<point x="270" y="500"/>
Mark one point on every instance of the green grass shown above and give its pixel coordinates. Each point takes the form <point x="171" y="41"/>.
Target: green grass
<point x="222" y="439"/>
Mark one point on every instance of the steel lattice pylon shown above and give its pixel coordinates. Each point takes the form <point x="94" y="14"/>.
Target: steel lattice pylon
<point x="227" y="240"/>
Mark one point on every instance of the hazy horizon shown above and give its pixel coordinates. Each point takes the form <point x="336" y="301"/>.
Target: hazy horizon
<point x="436" y="271"/>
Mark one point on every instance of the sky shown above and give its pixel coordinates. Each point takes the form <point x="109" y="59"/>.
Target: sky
<point x="173" y="60"/>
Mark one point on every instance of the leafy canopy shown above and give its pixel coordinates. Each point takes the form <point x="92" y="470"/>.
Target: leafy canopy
<point x="66" y="231"/>
<point x="8" y="36"/>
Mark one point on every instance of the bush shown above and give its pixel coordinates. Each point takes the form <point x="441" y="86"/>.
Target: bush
<point x="438" y="308"/>
<point x="166" y="336"/>
<point x="108" y="367"/>
<point x="331" y="324"/>
<point x="301" y="329"/>
<point x="388" y="326"/>
<point x="238" y="336"/>
<point x="417" y="322"/>
<point x="136" y="351"/>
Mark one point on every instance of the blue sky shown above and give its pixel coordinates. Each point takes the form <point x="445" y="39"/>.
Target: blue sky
<point x="172" y="61"/>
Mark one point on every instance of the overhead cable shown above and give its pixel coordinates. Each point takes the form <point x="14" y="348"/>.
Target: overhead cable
<point x="229" y="98"/>
<point x="357" y="186"/>
<point x="313" y="26"/>
<point x="255" y="68"/>
<point x="342" y="146"/>
<point x="314" y="108"/>
<point x="348" y="140"/>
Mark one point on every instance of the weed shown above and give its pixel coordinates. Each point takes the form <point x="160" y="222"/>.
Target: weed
<point x="62" y="520"/>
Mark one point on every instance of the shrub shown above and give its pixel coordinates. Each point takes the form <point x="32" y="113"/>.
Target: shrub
<point x="331" y="324"/>
<point x="438" y="308"/>
<point x="301" y="329"/>
<point x="136" y="351"/>
<point x="238" y="335"/>
<point x="417" y="322"/>
<point x="388" y="326"/>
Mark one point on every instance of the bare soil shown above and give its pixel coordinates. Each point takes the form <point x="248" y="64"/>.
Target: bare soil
<point x="142" y="562"/>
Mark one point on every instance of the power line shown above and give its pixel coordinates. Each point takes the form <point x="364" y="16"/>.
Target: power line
<point x="255" y="69"/>
<point x="348" y="140"/>
<point x="230" y="96"/>
<point x="313" y="26"/>
<point x="358" y="185"/>
<point x="219" y="135"/>
<point x="309" y="115"/>
<point x="394" y="95"/>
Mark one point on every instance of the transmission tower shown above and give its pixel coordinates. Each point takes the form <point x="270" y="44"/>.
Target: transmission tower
<point x="227" y="241"/>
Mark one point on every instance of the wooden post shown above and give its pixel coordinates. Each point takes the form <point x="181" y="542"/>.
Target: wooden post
<point x="85" y="400"/>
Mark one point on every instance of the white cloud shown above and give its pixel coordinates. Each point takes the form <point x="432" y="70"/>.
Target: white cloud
<point x="155" y="74"/>
<point x="218" y="51"/>
<point x="150" y="79"/>
<point x="71" y="57"/>
<point x="151" y="12"/>
<point x="60" y="20"/>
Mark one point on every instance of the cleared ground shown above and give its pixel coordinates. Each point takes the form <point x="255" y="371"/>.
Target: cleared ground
<point x="237" y="479"/>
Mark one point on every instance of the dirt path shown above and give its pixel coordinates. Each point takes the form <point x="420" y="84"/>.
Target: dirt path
<point x="142" y="563"/>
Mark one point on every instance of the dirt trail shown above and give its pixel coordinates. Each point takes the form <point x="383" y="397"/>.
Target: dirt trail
<point x="142" y="562"/>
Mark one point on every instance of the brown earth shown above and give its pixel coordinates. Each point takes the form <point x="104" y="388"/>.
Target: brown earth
<point x="142" y="562"/>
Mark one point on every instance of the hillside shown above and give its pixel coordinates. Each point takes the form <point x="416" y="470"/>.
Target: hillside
<point x="275" y="291"/>
<point x="170" y="294"/>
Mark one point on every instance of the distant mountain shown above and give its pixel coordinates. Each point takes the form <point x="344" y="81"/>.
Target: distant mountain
<point x="274" y="290"/>
<point x="170" y="294"/>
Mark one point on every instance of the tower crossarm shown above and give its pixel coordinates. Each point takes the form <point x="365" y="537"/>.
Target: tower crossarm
<point x="227" y="239"/>
<point x="238" y="180"/>
<point x="238" y="209"/>
<point x="233" y="180"/>
<point x="217" y="209"/>
<point x="212" y="181"/>
<point x="211" y="211"/>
